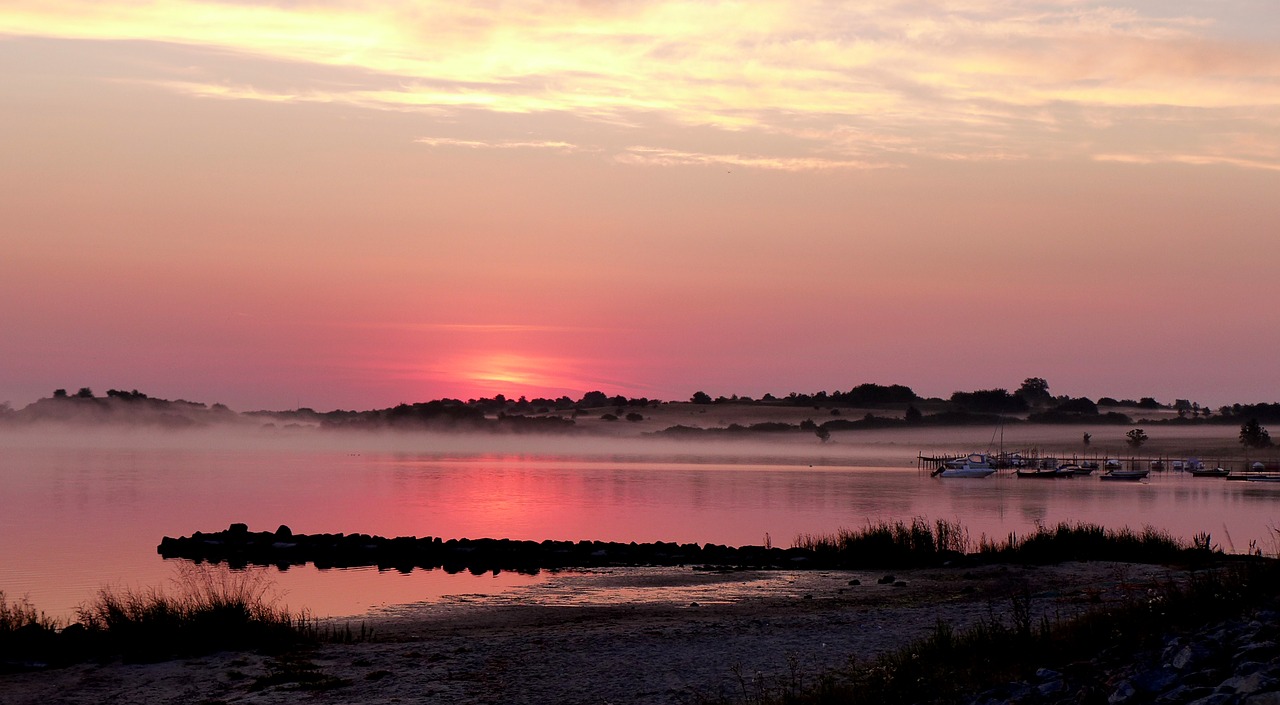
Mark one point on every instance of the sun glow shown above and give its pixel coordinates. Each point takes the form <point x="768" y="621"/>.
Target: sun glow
<point x="511" y="373"/>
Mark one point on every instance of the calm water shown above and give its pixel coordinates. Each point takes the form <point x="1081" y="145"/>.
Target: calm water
<point x="76" y="519"/>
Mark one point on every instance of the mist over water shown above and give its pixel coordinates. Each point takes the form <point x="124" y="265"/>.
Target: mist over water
<point x="87" y="508"/>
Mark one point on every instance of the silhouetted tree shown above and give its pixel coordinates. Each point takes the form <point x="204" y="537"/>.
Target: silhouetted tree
<point x="875" y="395"/>
<point x="59" y="394"/>
<point x="85" y="393"/>
<point x="1035" y="390"/>
<point x="594" y="399"/>
<point x="700" y="398"/>
<point x="1087" y="437"/>
<point x="633" y="416"/>
<point x="1254" y="435"/>
<point x="1136" y="438"/>
<point x="989" y="400"/>
<point x="823" y="434"/>
<point x="912" y="415"/>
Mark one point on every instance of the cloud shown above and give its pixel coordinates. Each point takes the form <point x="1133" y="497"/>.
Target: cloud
<point x="497" y="144"/>
<point x="982" y="79"/>
<point x="481" y="327"/>
<point x="655" y="156"/>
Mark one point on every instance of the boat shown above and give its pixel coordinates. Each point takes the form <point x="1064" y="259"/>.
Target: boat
<point x="973" y="465"/>
<point x="1157" y="465"/>
<point x="1111" y="464"/>
<point x="1254" y="476"/>
<point x="1088" y="466"/>
<point x="1052" y="472"/>
<point x="1208" y="472"/>
<point x="1124" y="475"/>
<point x="1071" y="470"/>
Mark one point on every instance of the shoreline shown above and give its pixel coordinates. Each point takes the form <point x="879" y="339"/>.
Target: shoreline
<point x="616" y="635"/>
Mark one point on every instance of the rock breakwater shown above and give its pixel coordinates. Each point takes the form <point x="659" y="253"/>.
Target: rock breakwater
<point x="239" y="547"/>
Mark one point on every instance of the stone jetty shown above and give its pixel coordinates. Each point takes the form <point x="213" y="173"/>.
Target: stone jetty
<point x="239" y="547"/>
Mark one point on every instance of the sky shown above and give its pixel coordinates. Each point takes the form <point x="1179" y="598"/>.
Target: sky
<point x="354" y="204"/>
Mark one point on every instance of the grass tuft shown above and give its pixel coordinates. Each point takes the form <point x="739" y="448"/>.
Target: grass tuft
<point x="209" y="608"/>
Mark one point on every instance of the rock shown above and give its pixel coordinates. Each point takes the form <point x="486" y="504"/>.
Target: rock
<point x="1269" y="698"/>
<point x="1052" y="687"/>
<point x="855" y="582"/>
<point x="1215" y="699"/>
<point x="1183" y="694"/>
<point x="1124" y="693"/>
<point x="1155" y="680"/>
<point x="1255" y="682"/>
<point x="1189" y="657"/>
<point x="283" y="531"/>
<point x="238" y="528"/>
<point x="1259" y="651"/>
<point x="887" y="580"/>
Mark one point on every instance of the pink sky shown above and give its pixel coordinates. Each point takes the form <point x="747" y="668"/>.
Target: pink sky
<point x="327" y="205"/>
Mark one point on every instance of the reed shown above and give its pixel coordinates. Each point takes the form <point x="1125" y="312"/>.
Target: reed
<point x="920" y="543"/>
<point x="897" y="544"/>
<point x="26" y="633"/>
<point x="207" y="609"/>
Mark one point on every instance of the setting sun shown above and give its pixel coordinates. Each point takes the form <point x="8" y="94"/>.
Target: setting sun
<point x="513" y="375"/>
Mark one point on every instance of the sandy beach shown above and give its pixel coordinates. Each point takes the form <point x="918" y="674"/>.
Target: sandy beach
<point x="633" y="635"/>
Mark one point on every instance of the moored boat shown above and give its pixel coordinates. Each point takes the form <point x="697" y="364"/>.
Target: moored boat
<point x="1209" y="472"/>
<point x="1129" y="475"/>
<point x="973" y="465"/>
<point x="1052" y="472"/>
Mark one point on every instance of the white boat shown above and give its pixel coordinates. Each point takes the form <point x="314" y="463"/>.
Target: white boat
<point x="1111" y="464"/>
<point x="974" y="465"/>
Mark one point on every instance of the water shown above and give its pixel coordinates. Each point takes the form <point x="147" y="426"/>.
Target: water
<point x="76" y="517"/>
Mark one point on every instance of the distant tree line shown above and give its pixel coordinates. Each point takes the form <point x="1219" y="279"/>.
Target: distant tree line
<point x="1030" y="402"/>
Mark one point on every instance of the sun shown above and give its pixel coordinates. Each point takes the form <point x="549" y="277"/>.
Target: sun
<point x="507" y="373"/>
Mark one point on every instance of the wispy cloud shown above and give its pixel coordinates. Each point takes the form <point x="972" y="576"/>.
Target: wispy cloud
<point x="984" y="79"/>
<point x="654" y="156"/>
<point x="497" y="144"/>
<point x="478" y="327"/>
